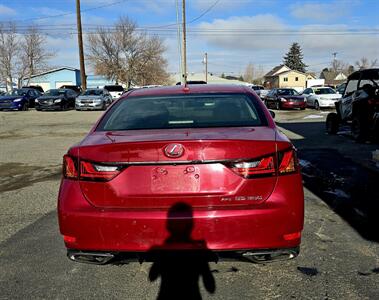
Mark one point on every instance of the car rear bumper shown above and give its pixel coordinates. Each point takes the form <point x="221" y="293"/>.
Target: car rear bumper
<point x="253" y="255"/>
<point x="48" y="107"/>
<point x="293" y="104"/>
<point x="11" y="106"/>
<point x="90" y="106"/>
<point x="274" y="224"/>
<point x="327" y="104"/>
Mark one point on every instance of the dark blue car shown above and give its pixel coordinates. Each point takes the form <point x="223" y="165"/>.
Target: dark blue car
<point x="18" y="99"/>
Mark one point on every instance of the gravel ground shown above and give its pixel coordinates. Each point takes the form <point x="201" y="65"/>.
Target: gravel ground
<point x="336" y="261"/>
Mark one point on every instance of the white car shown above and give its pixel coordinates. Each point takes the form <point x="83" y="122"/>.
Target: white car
<point x="115" y="90"/>
<point x="320" y="97"/>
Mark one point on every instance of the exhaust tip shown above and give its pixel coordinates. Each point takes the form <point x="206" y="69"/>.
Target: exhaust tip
<point x="270" y="256"/>
<point x="96" y="258"/>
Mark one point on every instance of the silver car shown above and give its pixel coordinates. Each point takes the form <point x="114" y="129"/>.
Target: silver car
<point x="320" y="97"/>
<point x="93" y="99"/>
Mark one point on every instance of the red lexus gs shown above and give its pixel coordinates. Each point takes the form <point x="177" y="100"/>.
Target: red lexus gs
<point x="213" y="151"/>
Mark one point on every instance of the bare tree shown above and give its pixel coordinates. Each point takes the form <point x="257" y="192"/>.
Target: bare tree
<point x="253" y="74"/>
<point x="364" y="63"/>
<point x="124" y="55"/>
<point x="249" y="73"/>
<point x="338" y="66"/>
<point x="21" y="55"/>
<point x="33" y="55"/>
<point x="9" y="50"/>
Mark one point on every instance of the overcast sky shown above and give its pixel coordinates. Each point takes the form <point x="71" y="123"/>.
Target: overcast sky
<point x="232" y="32"/>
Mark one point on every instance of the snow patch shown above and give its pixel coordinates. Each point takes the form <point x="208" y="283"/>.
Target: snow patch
<point x="313" y="117"/>
<point x="339" y="193"/>
<point x="304" y="163"/>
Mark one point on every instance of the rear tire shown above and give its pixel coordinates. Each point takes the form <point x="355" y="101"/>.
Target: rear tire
<point x="25" y="107"/>
<point x="359" y="129"/>
<point x="317" y="105"/>
<point x="332" y="123"/>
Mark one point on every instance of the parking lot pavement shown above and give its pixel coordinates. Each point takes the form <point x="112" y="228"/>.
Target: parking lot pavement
<point x="337" y="261"/>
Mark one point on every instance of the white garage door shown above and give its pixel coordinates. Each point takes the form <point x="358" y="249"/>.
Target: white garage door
<point x="58" y="84"/>
<point x="44" y="85"/>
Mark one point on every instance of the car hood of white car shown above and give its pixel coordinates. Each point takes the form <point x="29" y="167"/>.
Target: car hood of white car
<point x="329" y="96"/>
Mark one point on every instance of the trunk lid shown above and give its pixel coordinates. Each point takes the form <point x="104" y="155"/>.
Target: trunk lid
<point x="151" y="179"/>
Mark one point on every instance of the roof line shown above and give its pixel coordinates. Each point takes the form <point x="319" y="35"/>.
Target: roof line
<point x="53" y="70"/>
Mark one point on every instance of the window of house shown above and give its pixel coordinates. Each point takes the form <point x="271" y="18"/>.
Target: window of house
<point x="285" y="79"/>
<point x="296" y="78"/>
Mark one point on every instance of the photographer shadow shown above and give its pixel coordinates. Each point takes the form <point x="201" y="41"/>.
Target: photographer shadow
<point x="180" y="261"/>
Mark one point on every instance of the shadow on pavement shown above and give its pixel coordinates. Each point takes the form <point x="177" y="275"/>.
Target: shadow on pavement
<point x="348" y="187"/>
<point x="180" y="270"/>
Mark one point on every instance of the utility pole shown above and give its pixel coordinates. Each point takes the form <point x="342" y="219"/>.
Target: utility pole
<point x="205" y="61"/>
<point x="184" y="49"/>
<point x="83" y="76"/>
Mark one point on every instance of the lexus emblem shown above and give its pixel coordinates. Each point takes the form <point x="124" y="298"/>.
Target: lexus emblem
<point x="174" y="150"/>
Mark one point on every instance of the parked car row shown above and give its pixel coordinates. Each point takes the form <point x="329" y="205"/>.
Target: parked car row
<point x="63" y="98"/>
<point x="316" y="97"/>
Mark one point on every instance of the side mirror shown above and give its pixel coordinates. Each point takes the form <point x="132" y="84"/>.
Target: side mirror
<point x="272" y="114"/>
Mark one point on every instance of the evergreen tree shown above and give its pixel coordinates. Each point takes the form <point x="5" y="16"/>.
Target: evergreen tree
<point x="294" y="58"/>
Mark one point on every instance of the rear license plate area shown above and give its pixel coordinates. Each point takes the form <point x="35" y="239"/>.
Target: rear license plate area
<point x="174" y="179"/>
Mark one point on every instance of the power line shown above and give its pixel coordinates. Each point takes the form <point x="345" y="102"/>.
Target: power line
<point x="68" y="13"/>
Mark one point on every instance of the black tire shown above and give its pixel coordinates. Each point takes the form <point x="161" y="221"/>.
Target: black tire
<point x="332" y="123"/>
<point x="359" y="129"/>
<point x="302" y="108"/>
<point x="25" y="107"/>
<point x="104" y="107"/>
<point x="64" y="106"/>
<point x="317" y="105"/>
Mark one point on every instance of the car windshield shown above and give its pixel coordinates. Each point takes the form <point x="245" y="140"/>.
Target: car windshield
<point x="195" y="111"/>
<point x="324" y="91"/>
<point x="54" y="92"/>
<point x="290" y="92"/>
<point x="93" y="93"/>
<point x="17" y="92"/>
<point x="114" y="88"/>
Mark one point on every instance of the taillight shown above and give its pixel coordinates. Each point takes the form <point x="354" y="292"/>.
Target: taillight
<point x="92" y="171"/>
<point x="69" y="167"/>
<point x="88" y="170"/>
<point x="284" y="163"/>
<point x="287" y="162"/>
<point x="261" y="167"/>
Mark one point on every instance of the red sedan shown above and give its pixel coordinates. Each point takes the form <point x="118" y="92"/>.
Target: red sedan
<point x="182" y="168"/>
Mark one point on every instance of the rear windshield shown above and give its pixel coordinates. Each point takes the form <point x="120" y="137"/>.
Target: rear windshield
<point x="54" y="92"/>
<point x="324" y="91"/>
<point x="114" y="88"/>
<point x="92" y="93"/>
<point x="190" y="111"/>
<point x="290" y="92"/>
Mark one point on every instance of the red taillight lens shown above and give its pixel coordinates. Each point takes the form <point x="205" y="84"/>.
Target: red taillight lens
<point x="264" y="166"/>
<point x="69" y="167"/>
<point x="91" y="171"/>
<point x="285" y="163"/>
<point x="88" y="170"/>
<point x="292" y="236"/>
<point x="288" y="162"/>
<point x="69" y="239"/>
